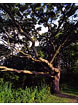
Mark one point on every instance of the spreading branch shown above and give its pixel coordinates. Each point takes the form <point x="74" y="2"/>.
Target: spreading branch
<point x="27" y="55"/>
<point x="38" y="60"/>
<point x="57" y="51"/>
<point x="4" y="69"/>
<point x="53" y="69"/>
<point x="41" y="60"/>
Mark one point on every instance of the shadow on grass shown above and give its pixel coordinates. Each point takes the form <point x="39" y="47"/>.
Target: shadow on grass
<point x="71" y="91"/>
<point x="64" y="95"/>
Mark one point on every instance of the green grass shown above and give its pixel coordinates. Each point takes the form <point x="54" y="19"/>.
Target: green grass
<point x="28" y="95"/>
<point x="70" y="90"/>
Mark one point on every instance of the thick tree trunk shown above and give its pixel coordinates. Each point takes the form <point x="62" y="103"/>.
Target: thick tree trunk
<point x="55" y="83"/>
<point x="56" y="80"/>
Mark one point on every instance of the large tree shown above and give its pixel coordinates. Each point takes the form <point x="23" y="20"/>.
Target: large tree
<point x="18" y="26"/>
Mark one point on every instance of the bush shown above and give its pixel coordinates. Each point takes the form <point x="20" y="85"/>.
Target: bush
<point x="27" y="95"/>
<point x="36" y="94"/>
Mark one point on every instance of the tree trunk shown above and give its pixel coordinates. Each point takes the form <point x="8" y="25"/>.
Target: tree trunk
<point x="55" y="83"/>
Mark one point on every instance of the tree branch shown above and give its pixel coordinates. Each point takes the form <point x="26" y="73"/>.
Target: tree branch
<point x="57" y="51"/>
<point x="27" y="55"/>
<point x="53" y="69"/>
<point x="4" y="68"/>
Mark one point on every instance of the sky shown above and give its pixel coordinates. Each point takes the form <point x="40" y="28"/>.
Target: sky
<point x="43" y="29"/>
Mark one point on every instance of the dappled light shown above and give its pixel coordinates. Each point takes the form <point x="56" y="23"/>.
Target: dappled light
<point x="38" y="52"/>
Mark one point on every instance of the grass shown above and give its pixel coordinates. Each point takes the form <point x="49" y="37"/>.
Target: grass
<point x="28" y="95"/>
<point x="70" y="90"/>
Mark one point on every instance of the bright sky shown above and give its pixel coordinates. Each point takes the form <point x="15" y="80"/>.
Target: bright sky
<point x="43" y="29"/>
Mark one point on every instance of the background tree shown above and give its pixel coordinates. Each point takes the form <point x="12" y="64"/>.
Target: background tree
<point x="17" y="26"/>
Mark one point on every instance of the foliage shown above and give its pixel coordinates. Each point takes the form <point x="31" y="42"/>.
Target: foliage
<point x="27" y="95"/>
<point x="70" y="57"/>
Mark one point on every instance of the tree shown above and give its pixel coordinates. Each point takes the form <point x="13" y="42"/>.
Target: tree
<point x="17" y="26"/>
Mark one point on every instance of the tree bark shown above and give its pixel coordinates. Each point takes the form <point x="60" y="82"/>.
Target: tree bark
<point x="56" y="80"/>
<point x="55" y="83"/>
